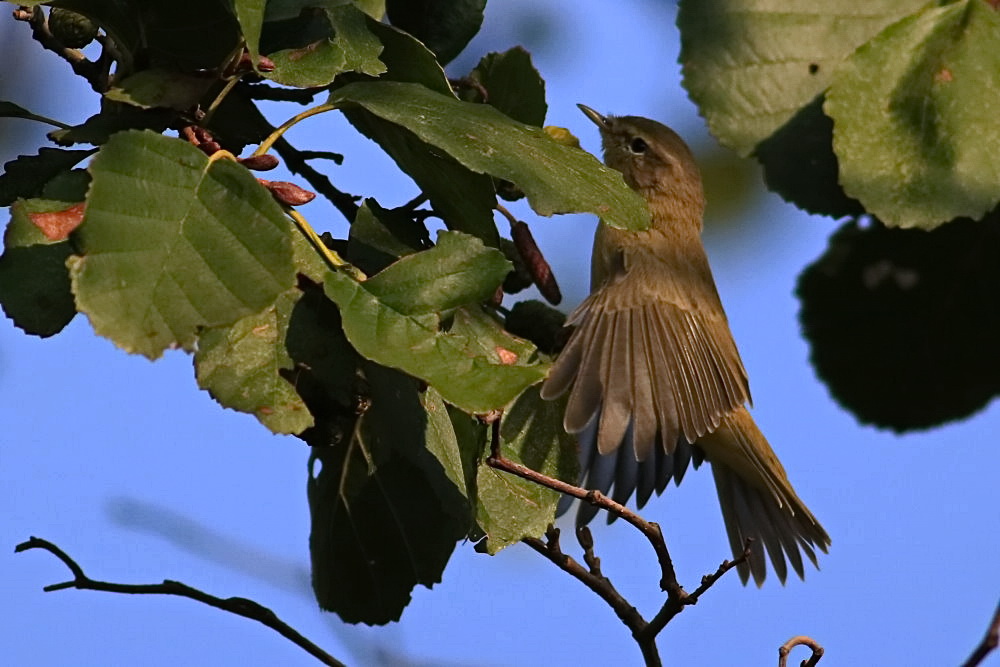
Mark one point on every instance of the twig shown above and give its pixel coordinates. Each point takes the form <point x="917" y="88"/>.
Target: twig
<point x="412" y="205"/>
<point x="263" y="91"/>
<point x="674" y="606"/>
<point x="800" y="640"/>
<point x="235" y="605"/>
<point x="668" y="579"/>
<point x="601" y="585"/>
<point x="336" y="158"/>
<point x="989" y="643"/>
<point x="592" y="577"/>
<point x="89" y="70"/>
<point x="595" y="581"/>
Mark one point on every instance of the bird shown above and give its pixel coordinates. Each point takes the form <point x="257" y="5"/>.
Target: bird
<point x="655" y="380"/>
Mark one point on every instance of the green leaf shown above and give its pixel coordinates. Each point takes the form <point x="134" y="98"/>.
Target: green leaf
<point x="34" y="282"/>
<point x="174" y="242"/>
<point x="750" y="65"/>
<point x="903" y="323"/>
<point x="347" y="45"/>
<point x="379" y="526"/>
<point x="514" y="85"/>
<point x="374" y="8"/>
<point x="250" y="14"/>
<point x="241" y="364"/>
<point x="474" y="364"/>
<point x="510" y="508"/>
<point x="457" y="271"/>
<point x="914" y="124"/>
<point x="464" y="199"/>
<point x="11" y="110"/>
<point x="161" y="88"/>
<point x="60" y="193"/>
<point x="408" y="60"/>
<point x="26" y="175"/>
<point x="361" y="48"/>
<point x="112" y="118"/>
<point x="556" y="178"/>
<point x="445" y="26"/>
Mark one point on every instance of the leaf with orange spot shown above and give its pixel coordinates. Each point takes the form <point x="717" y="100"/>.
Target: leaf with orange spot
<point x="58" y="225"/>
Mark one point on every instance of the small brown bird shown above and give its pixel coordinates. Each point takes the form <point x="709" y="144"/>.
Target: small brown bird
<point x="652" y="363"/>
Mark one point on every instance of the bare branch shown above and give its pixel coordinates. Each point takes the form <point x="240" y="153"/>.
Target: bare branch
<point x="989" y="643"/>
<point x="668" y="580"/>
<point x="675" y="605"/>
<point x="800" y="640"/>
<point x="234" y="605"/>
<point x="598" y="583"/>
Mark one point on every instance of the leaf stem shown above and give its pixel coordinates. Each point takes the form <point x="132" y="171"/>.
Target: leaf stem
<point x="291" y="122"/>
<point x="218" y="99"/>
<point x="332" y="258"/>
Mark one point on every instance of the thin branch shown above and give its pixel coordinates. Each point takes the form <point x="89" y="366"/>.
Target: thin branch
<point x="234" y="605"/>
<point x="989" y="643"/>
<point x="668" y="579"/>
<point x="801" y="640"/>
<point x="263" y="91"/>
<point x="596" y="582"/>
<point x="336" y="158"/>
<point x="89" y="70"/>
<point x="675" y="605"/>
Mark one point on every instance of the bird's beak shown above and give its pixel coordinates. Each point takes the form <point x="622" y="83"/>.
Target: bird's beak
<point x="599" y="120"/>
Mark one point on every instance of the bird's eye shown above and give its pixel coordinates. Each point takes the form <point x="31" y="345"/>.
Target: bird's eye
<point x="638" y="145"/>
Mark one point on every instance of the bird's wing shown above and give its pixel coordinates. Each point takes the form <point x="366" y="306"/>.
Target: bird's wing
<point x="651" y="355"/>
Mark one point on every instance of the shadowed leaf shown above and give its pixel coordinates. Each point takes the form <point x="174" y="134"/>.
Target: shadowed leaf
<point x="26" y="175"/>
<point x="903" y="324"/>
<point x="384" y="516"/>
<point x="445" y="26"/>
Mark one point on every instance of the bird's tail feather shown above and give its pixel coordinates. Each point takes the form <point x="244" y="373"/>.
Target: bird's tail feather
<point x="758" y="501"/>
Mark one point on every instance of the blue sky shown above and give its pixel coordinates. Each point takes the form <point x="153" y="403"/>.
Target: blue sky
<point x="106" y="454"/>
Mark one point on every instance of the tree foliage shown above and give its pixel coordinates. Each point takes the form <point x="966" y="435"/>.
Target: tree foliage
<point x="379" y="350"/>
<point x="879" y="112"/>
<point x="385" y="350"/>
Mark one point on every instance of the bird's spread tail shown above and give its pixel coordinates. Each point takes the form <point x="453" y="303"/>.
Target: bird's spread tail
<point x="758" y="501"/>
